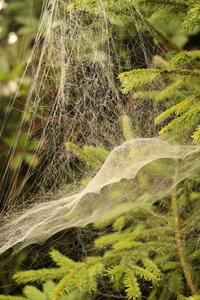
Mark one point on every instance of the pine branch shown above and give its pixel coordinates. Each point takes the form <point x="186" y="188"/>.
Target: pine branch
<point x="144" y="273"/>
<point x="177" y="109"/>
<point x="170" y="91"/>
<point x="184" y="57"/>
<point x="172" y="3"/>
<point x="191" y="114"/>
<point x="179" y="242"/>
<point x="196" y="135"/>
<point x="151" y="267"/>
<point x="127" y="128"/>
<point x="65" y="285"/>
<point x="60" y="259"/>
<point x="11" y="298"/>
<point x="94" y="157"/>
<point x="136" y="78"/>
<point x="131" y="285"/>
<point x="193" y="16"/>
<point x="39" y="275"/>
<point x="32" y="293"/>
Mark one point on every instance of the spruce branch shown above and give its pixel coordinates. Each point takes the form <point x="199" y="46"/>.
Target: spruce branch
<point x="173" y="3"/>
<point x="179" y="241"/>
<point x="196" y="134"/>
<point x="177" y="109"/>
<point x="131" y="284"/>
<point x="190" y="116"/>
<point x="192" y="18"/>
<point x="2" y="297"/>
<point x="39" y="275"/>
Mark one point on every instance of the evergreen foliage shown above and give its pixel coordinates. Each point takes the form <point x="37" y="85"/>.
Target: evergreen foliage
<point x="181" y="79"/>
<point x="150" y="252"/>
<point x="177" y="73"/>
<point x="47" y="293"/>
<point x="137" y="249"/>
<point x="189" y="10"/>
<point x="124" y="270"/>
<point x="94" y="157"/>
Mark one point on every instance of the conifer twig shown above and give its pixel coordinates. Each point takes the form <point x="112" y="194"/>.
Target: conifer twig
<point x="179" y="241"/>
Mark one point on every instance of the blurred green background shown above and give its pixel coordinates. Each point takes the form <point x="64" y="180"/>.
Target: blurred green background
<point x="19" y="22"/>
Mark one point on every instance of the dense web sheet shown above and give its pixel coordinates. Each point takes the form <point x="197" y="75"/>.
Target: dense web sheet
<point x="136" y="173"/>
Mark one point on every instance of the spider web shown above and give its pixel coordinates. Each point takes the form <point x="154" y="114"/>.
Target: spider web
<point x="75" y="96"/>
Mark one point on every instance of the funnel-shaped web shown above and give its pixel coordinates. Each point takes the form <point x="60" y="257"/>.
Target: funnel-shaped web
<point x="136" y="173"/>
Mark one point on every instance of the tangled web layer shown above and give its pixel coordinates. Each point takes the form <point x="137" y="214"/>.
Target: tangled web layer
<point x="136" y="173"/>
<point x="80" y="49"/>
